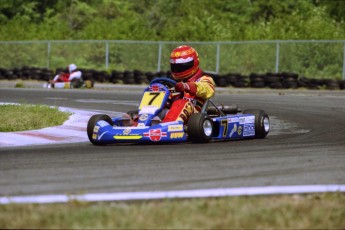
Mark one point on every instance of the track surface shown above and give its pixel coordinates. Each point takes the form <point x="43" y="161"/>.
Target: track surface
<point x="305" y="147"/>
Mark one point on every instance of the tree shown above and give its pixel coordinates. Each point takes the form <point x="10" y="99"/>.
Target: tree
<point x="335" y="8"/>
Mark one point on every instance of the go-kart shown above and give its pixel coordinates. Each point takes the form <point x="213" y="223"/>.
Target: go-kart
<point x="212" y="123"/>
<point x="75" y="83"/>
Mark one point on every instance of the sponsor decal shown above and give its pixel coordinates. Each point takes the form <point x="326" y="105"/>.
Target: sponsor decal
<point x="154" y="88"/>
<point x="155" y="134"/>
<point x="100" y="136"/>
<point x="234" y="129"/>
<point x="149" y="109"/>
<point x="131" y="137"/>
<point x="176" y="135"/>
<point x="175" y="54"/>
<point x="239" y="130"/>
<point x="133" y="127"/>
<point x="143" y="117"/>
<point x="248" y="130"/>
<point x="250" y="120"/>
<point x="242" y="120"/>
<point x="247" y="120"/>
<point x="170" y="123"/>
<point x="233" y="120"/>
<point x="127" y="131"/>
<point x="102" y="123"/>
<point x="94" y="136"/>
<point x="95" y="129"/>
<point x="175" y="128"/>
<point x="182" y="53"/>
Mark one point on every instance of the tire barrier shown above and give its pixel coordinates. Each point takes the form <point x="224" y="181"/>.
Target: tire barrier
<point x="284" y="80"/>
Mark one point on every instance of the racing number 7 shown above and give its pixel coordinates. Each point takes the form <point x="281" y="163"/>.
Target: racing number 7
<point x="224" y="123"/>
<point x="155" y="95"/>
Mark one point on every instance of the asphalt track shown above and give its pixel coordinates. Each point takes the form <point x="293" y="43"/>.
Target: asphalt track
<point x="305" y="147"/>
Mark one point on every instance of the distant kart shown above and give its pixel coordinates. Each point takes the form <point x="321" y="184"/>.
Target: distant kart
<point x="75" y="83"/>
<point x="213" y="123"/>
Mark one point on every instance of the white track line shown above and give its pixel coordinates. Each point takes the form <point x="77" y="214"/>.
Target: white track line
<point x="201" y="193"/>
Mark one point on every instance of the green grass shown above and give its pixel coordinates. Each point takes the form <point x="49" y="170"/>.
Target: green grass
<point x="313" y="211"/>
<point x="19" y="84"/>
<point x="29" y="117"/>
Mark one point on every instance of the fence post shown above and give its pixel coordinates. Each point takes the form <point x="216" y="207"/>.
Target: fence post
<point x="159" y="57"/>
<point x="217" y="58"/>
<point x="48" y="53"/>
<point x="106" y="55"/>
<point x="277" y="56"/>
<point x="344" y="64"/>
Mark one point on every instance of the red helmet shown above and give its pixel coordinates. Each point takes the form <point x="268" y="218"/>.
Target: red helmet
<point x="184" y="62"/>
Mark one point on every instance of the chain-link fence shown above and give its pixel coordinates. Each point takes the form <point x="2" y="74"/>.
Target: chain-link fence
<point x="320" y="59"/>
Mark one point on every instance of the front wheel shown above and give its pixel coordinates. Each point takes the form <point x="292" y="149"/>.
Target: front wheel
<point x="92" y="123"/>
<point x="200" y="128"/>
<point x="262" y="122"/>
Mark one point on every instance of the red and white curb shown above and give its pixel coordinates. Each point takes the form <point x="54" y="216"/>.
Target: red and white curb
<point x="72" y="131"/>
<point x="201" y="193"/>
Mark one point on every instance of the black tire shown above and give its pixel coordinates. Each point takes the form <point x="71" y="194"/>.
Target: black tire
<point x="76" y="83"/>
<point x="196" y="128"/>
<point x="262" y="126"/>
<point x="88" y="84"/>
<point x="91" y="125"/>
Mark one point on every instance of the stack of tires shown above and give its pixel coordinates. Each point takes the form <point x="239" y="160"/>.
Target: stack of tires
<point x="274" y="80"/>
<point x="232" y="79"/>
<point x="284" y="80"/>
<point x="26" y="73"/>
<point x="257" y="80"/>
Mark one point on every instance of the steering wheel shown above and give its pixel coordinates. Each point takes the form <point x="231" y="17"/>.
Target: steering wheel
<point x="168" y="82"/>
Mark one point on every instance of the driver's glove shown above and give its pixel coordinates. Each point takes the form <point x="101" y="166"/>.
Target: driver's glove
<point x="188" y="87"/>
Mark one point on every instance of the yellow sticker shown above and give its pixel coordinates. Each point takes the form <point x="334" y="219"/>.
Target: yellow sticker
<point x="174" y="128"/>
<point x="152" y="99"/>
<point x="134" y="137"/>
<point x="176" y="135"/>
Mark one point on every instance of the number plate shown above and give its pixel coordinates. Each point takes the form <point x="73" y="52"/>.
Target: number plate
<point x="152" y="99"/>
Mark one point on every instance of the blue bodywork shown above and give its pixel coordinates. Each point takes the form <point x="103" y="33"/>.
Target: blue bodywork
<point x="154" y="99"/>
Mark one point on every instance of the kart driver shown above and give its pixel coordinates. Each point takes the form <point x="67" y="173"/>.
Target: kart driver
<point x="195" y="86"/>
<point x="73" y="73"/>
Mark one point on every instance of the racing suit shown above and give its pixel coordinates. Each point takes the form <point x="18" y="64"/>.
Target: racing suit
<point x="67" y="77"/>
<point x="197" y="89"/>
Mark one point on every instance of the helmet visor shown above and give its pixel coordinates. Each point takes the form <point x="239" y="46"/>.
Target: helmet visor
<point x="181" y="67"/>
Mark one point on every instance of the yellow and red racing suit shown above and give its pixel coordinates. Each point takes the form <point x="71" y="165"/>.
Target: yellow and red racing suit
<point x="200" y="88"/>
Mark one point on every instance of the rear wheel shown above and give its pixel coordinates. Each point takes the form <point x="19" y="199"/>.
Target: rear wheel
<point x="200" y="128"/>
<point x="89" y="84"/>
<point x="262" y="122"/>
<point x="92" y="123"/>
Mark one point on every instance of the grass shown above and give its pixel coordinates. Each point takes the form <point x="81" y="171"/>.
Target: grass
<point x="19" y="84"/>
<point x="311" y="211"/>
<point x="29" y="117"/>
